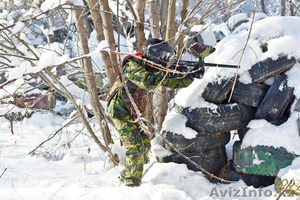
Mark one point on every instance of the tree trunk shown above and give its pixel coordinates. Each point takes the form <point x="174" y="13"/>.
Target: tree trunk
<point x="291" y="10"/>
<point x="181" y="37"/>
<point x="154" y="18"/>
<point x="139" y="29"/>
<point x="161" y="106"/>
<point x="170" y="34"/>
<point x="164" y="17"/>
<point x="86" y="21"/>
<point x="282" y="8"/>
<point x="263" y="6"/>
<point x="107" y="64"/>
<point x="109" y="33"/>
<point x="89" y="75"/>
<point x="162" y="95"/>
<point x="170" y="37"/>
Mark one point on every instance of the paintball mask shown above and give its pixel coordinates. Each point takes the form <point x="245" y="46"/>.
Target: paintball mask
<point x="158" y="51"/>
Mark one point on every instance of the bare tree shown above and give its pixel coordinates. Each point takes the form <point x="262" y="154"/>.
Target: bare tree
<point x="154" y="21"/>
<point x="291" y="9"/>
<point x="162" y="95"/>
<point x="163" y="17"/>
<point x="89" y="74"/>
<point x="154" y="18"/>
<point x="111" y="75"/>
<point x="87" y="22"/>
<point x="170" y="34"/>
<point x="139" y="29"/>
<point x="263" y="6"/>
<point x="282" y="8"/>
<point x="109" y="32"/>
<point x="183" y="19"/>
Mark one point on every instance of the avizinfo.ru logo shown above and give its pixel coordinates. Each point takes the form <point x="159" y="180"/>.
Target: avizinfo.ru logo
<point x="243" y="192"/>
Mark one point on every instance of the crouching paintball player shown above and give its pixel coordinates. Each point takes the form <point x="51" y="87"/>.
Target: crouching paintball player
<point x="140" y="75"/>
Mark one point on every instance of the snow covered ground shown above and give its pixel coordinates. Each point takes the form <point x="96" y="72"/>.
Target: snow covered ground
<point x="84" y="173"/>
<point x="71" y="166"/>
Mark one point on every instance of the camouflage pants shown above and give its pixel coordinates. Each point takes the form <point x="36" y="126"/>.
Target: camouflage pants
<point x="137" y="145"/>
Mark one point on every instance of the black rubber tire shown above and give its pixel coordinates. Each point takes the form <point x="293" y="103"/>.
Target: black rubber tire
<point x="275" y="101"/>
<point x="239" y="23"/>
<point x="242" y="132"/>
<point x="202" y="142"/>
<point x="268" y="68"/>
<point x="224" y="118"/>
<point x="270" y="159"/>
<point x="249" y="94"/>
<point x="211" y="160"/>
<point x="292" y="189"/>
<point x="215" y="92"/>
<point x="250" y="179"/>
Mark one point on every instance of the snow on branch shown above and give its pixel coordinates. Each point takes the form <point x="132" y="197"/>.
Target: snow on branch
<point x="50" y="4"/>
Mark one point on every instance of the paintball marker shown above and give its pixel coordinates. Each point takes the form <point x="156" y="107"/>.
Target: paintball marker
<point x="200" y="52"/>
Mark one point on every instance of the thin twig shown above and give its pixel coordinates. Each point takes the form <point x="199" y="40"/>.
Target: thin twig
<point x="243" y="51"/>
<point x="54" y="194"/>
<point x="3" y="172"/>
<point x="11" y="125"/>
<point x="286" y="187"/>
<point x="186" y="146"/>
<point x="32" y="152"/>
<point x="12" y="185"/>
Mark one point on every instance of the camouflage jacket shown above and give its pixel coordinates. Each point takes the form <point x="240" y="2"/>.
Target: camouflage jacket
<point x="138" y="80"/>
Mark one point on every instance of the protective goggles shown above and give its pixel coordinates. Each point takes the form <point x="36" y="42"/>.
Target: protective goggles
<point x="165" y="55"/>
<point x="165" y="52"/>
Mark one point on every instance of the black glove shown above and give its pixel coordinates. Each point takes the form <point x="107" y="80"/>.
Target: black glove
<point x="199" y="72"/>
<point x="172" y="75"/>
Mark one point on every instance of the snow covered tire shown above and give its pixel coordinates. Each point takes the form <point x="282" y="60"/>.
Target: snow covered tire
<point x="275" y="101"/>
<point x="260" y="160"/>
<point x="249" y="94"/>
<point x="268" y="68"/>
<point x="224" y="118"/>
<point x="242" y="132"/>
<point x="250" y="179"/>
<point x="216" y="92"/>
<point x="202" y="142"/>
<point x="211" y="160"/>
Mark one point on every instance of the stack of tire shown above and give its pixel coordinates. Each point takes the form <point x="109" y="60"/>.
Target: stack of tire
<point x="275" y="108"/>
<point x="255" y="100"/>
<point x="206" y="150"/>
<point x="213" y="127"/>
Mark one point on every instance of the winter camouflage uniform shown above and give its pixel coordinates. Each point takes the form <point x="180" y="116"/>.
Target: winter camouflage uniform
<point x="119" y="108"/>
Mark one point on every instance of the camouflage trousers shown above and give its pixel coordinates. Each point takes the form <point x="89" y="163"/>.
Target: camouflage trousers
<point x="137" y="145"/>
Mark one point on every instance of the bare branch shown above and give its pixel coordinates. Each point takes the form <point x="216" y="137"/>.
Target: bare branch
<point x="286" y="187"/>
<point x="3" y="172"/>
<point x="32" y="152"/>
<point x="243" y="51"/>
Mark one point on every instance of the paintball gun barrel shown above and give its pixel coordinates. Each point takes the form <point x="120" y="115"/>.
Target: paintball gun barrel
<point x="193" y="64"/>
<point x="198" y="51"/>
